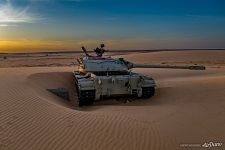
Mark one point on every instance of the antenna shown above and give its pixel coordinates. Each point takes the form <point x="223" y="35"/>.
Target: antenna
<point x="85" y="51"/>
<point x="102" y="45"/>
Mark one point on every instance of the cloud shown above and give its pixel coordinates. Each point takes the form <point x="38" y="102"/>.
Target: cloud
<point x="55" y="0"/>
<point x="11" y="14"/>
<point x="4" y="25"/>
<point x="8" y="25"/>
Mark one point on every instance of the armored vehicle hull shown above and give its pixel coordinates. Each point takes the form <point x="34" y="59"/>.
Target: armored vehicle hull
<point x="94" y="87"/>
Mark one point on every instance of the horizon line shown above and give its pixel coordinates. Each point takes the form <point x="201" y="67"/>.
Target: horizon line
<point x="122" y="50"/>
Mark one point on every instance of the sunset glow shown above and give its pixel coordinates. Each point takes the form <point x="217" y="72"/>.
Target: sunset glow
<point x="47" y="25"/>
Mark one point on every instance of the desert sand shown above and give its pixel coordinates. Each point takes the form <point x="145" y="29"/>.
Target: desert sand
<point x="188" y="107"/>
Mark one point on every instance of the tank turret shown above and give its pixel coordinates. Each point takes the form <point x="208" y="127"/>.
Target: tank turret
<point x="96" y="64"/>
<point x="98" y="77"/>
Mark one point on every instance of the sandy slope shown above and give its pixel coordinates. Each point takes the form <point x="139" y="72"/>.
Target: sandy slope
<point x="189" y="107"/>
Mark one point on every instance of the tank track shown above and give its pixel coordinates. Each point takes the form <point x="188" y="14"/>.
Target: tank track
<point x="86" y="97"/>
<point x="148" y="92"/>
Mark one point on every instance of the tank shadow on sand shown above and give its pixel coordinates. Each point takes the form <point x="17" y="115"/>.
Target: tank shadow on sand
<point x="61" y="92"/>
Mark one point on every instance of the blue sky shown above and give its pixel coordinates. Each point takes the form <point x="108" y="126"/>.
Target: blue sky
<point x="128" y="24"/>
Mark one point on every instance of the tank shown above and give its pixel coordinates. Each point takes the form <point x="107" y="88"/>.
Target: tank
<point x="100" y="77"/>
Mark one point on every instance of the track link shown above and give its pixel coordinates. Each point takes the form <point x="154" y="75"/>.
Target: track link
<point x="148" y="92"/>
<point x="86" y="97"/>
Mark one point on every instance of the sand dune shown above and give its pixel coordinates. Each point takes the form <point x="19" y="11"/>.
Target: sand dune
<point x="189" y="107"/>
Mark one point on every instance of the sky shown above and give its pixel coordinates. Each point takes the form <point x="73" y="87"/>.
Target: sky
<point x="58" y="25"/>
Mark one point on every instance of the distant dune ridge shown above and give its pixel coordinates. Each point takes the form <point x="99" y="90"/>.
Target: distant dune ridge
<point x="208" y="57"/>
<point x="189" y="106"/>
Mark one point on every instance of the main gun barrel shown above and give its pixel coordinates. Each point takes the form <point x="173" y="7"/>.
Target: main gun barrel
<point x="191" y="67"/>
